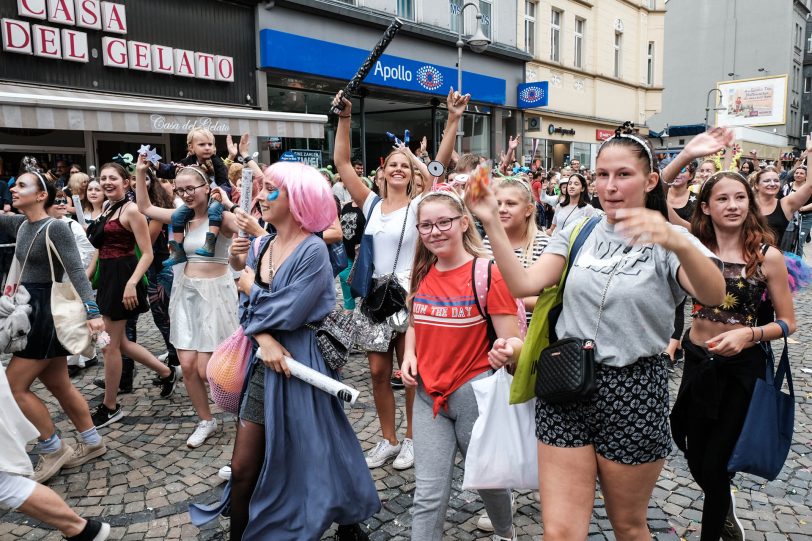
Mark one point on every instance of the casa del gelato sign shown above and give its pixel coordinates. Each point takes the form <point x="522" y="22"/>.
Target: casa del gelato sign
<point x="71" y="42"/>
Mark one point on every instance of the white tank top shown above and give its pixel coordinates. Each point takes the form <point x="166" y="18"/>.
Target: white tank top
<point x="196" y="237"/>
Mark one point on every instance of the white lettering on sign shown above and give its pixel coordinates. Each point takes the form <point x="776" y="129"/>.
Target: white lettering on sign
<point x="184" y="125"/>
<point x="17" y="36"/>
<point x="46" y="41"/>
<point x="114" y="52"/>
<point x="114" y="18"/>
<point x="89" y="14"/>
<point x="62" y="12"/>
<point x="74" y="46"/>
<point x="32" y="8"/>
<point x="69" y="44"/>
<point x="399" y="73"/>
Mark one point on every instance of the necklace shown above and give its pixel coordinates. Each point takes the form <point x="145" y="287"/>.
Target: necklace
<point x="284" y="253"/>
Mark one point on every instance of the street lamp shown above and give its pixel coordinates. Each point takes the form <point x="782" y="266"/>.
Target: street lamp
<point x="478" y="43"/>
<point x="707" y="105"/>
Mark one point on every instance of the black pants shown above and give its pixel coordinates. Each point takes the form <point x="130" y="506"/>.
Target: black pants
<point x="707" y="419"/>
<point x="679" y="321"/>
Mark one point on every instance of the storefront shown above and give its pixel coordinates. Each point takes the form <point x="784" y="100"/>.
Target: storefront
<point x="405" y="90"/>
<point x="83" y="81"/>
<point x="556" y="139"/>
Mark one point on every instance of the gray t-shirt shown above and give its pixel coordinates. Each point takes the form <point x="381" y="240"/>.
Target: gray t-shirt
<point x="638" y="315"/>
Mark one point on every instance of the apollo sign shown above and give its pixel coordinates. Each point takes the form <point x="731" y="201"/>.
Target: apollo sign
<point x="72" y="44"/>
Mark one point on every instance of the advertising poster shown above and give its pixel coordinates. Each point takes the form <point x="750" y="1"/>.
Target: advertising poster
<point x="753" y="102"/>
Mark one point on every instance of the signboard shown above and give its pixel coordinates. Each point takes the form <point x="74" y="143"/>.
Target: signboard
<point x="753" y="102"/>
<point x="288" y="156"/>
<point x="603" y="135"/>
<point x="309" y="157"/>
<point x="531" y="95"/>
<point x="289" y="52"/>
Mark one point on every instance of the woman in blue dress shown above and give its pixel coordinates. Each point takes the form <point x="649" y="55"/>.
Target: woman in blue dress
<point x="313" y="473"/>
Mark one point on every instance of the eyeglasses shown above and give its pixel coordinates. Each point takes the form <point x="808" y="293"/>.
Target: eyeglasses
<point x="443" y="224"/>
<point x="186" y="191"/>
<point x="60" y="201"/>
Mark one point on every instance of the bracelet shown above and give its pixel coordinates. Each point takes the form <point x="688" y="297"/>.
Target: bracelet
<point x="344" y="116"/>
<point x="760" y="338"/>
<point x="228" y="162"/>
<point x="752" y="334"/>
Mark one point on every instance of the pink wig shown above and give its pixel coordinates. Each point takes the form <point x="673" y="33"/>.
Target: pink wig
<point x="310" y="198"/>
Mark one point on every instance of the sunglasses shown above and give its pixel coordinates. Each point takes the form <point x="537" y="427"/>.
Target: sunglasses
<point x="60" y="201"/>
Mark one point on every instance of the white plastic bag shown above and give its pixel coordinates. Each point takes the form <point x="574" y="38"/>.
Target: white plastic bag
<point x="503" y="450"/>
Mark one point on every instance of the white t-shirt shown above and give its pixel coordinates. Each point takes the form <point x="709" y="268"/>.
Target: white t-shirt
<point x="342" y="193"/>
<point x="385" y="230"/>
<point x="565" y="216"/>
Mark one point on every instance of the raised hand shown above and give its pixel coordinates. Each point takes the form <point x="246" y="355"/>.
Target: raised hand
<point x="456" y="102"/>
<point x="232" y="148"/>
<point x="339" y="98"/>
<point x="709" y="143"/>
<point x="513" y="142"/>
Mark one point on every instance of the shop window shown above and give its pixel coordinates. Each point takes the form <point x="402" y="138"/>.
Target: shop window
<point x="580" y="28"/>
<point x="804" y="124"/>
<point x="486" y="8"/>
<point x="555" y="35"/>
<point x="406" y="9"/>
<point x="530" y="27"/>
<point x="455" y="7"/>
<point x="807" y="85"/>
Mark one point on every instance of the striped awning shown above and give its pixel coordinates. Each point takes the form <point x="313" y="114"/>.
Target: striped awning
<point x="34" y="107"/>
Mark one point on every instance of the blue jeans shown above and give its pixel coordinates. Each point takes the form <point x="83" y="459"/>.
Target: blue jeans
<point x="184" y="214"/>
<point x="806" y="227"/>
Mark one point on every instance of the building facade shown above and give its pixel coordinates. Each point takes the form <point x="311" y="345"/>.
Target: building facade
<point x="310" y="49"/>
<point x="709" y="45"/>
<point x="806" y="89"/>
<point x="601" y="63"/>
<point x="85" y="81"/>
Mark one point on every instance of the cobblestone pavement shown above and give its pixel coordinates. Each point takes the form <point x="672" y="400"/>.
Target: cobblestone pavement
<point x="144" y="482"/>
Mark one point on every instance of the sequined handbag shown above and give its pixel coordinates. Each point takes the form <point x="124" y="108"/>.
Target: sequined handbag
<point x="565" y="371"/>
<point x="387" y="296"/>
<point x="335" y="337"/>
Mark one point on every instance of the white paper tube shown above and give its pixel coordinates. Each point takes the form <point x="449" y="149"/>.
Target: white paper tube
<point x="246" y="189"/>
<point x="80" y="214"/>
<point x="319" y="380"/>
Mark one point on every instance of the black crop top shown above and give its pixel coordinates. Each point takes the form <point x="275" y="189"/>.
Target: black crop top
<point x="777" y="222"/>
<point x="742" y="297"/>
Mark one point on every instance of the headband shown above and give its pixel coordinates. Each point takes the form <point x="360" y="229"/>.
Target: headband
<point x="514" y="181"/>
<point x="196" y="170"/>
<point x="30" y="165"/>
<point x="441" y="188"/>
<point x="637" y="140"/>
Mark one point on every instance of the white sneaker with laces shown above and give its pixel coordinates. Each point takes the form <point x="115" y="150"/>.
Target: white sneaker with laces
<point x="162" y="357"/>
<point x="225" y="472"/>
<point x="201" y="434"/>
<point x="405" y="459"/>
<point x="383" y="451"/>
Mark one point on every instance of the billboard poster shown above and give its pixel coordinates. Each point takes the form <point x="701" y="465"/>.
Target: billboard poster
<point x="753" y="102"/>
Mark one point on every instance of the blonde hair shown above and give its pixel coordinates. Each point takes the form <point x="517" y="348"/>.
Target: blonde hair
<point x="531" y="229"/>
<point x="411" y="189"/>
<point x="235" y="173"/>
<point x="194" y="132"/>
<point x="424" y="259"/>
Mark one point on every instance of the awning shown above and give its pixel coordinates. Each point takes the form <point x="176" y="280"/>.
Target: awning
<point x="37" y="107"/>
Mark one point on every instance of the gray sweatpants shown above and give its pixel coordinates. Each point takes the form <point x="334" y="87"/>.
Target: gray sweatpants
<point x="436" y="441"/>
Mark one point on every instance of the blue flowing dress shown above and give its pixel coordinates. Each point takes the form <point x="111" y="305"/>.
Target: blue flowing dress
<point x="314" y="473"/>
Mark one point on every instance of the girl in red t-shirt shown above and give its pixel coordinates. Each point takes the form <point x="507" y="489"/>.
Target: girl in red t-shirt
<point x="447" y="347"/>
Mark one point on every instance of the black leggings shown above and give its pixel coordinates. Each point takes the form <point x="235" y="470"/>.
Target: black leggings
<point x="710" y="441"/>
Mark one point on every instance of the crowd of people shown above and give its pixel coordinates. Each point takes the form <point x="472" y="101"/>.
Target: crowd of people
<point x="709" y="228"/>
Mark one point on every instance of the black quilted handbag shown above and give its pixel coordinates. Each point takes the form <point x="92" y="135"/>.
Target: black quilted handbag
<point x="565" y="371"/>
<point x="335" y="336"/>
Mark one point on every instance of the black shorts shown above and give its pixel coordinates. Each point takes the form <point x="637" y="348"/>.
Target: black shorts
<point x="253" y="406"/>
<point x="626" y="419"/>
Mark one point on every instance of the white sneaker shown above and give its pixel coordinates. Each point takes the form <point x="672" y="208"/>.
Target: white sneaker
<point x="162" y="357"/>
<point x="225" y="472"/>
<point x="495" y="537"/>
<point x="405" y="459"/>
<point x="484" y="522"/>
<point x="201" y="434"/>
<point x="383" y="451"/>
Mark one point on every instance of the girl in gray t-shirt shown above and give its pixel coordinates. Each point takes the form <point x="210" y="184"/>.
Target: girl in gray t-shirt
<point x="620" y="432"/>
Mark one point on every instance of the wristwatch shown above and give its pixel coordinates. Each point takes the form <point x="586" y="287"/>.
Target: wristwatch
<point x="244" y="159"/>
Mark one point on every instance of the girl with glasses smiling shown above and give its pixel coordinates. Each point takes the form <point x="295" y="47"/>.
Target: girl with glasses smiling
<point x="447" y="348"/>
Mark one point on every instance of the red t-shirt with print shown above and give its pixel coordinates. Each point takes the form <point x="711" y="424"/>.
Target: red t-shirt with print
<point x="451" y="336"/>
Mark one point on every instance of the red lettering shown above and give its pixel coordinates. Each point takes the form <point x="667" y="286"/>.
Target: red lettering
<point x="162" y="59"/>
<point x="115" y="52"/>
<point x="184" y="64"/>
<point x="225" y="68"/>
<point x="16" y="36"/>
<point x="60" y="13"/>
<point x="89" y="14"/>
<point x="115" y="18"/>
<point x="26" y="9"/>
<point x="46" y="38"/>
<point x="139" y="56"/>
<point x="205" y="65"/>
<point x="74" y="45"/>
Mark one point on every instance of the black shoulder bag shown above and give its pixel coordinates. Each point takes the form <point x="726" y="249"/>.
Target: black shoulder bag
<point x="388" y="297"/>
<point x="95" y="231"/>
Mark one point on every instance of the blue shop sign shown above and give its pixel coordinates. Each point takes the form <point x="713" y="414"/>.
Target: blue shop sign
<point x="289" y="52"/>
<point x="531" y="95"/>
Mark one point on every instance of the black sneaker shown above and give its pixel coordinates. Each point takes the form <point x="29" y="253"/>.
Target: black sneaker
<point x="99" y="382"/>
<point x="353" y="532"/>
<point x="169" y="382"/>
<point x="396" y="381"/>
<point x="103" y="416"/>
<point x="733" y="529"/>
<point x="94" y="531"/>
<point x="73" y="370"/>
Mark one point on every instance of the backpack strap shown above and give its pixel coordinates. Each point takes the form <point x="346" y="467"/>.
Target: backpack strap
<point x="481" y="284"/>
<point x="577" y="240"/>
<point x="375" y="201"/>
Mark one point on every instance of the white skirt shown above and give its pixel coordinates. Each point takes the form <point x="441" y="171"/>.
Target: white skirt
<point x="202" y="312"/>
<point x="15" y="432"/>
